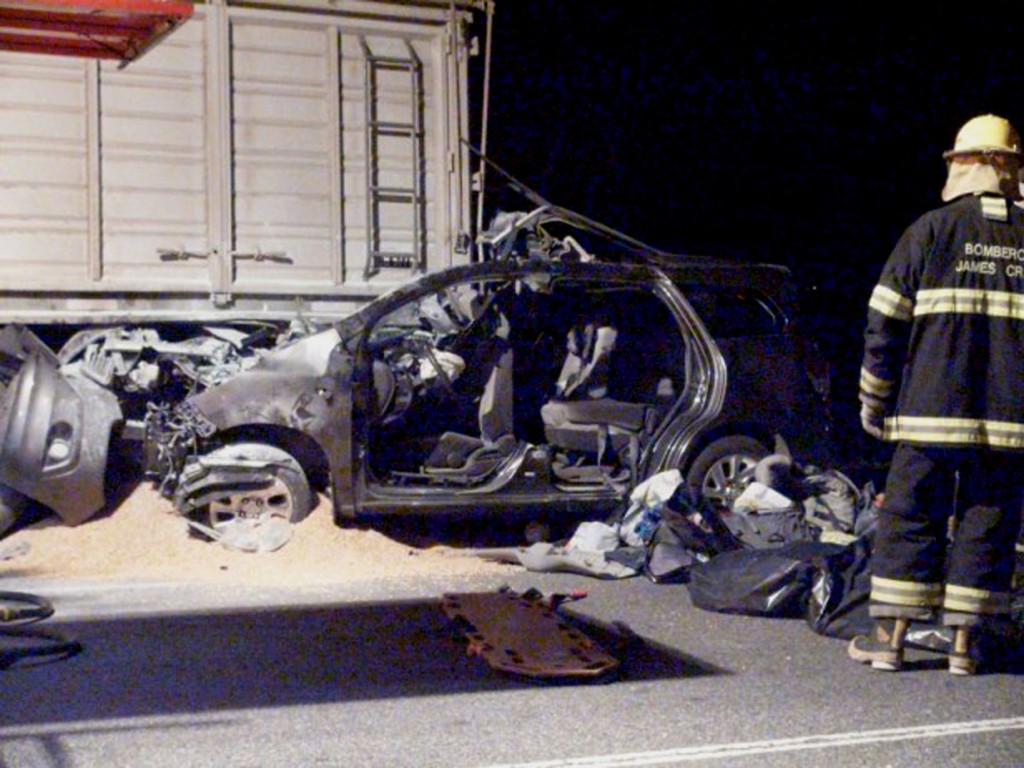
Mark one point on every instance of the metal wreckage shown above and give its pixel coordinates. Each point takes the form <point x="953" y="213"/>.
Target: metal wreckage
<point x="567" y="366"/>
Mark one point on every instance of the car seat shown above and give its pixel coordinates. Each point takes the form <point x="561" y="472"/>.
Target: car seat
<point x="582" y="417"/>
<point x="466" y="459"/>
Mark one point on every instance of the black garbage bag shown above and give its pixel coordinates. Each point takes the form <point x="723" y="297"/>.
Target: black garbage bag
<point x="841" y="596"/>
<point x="759" y="582"/>
<point x="840" y="592"/>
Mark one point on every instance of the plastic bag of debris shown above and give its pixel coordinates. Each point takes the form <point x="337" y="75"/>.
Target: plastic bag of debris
<point x="763" y="518"/>
<point x="774" y="582"/>
<point x="646" y="502"/>
<point x="787" y="503"/>
<point x="840" y="592"/>
<point x="840" y="596"/>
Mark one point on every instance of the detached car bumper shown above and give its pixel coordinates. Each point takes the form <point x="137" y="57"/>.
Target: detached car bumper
<point x="54" y="438"/>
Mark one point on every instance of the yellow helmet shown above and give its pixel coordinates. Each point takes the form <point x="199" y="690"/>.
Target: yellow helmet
<point x="986" y="134"/>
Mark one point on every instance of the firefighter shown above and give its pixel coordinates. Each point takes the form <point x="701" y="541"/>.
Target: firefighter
<point x="943" y="378"/>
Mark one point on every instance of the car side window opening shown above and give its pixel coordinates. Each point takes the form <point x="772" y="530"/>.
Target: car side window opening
<point x="472" y="378"/>
<point x="432" y="360"/>
<point x="732" y="312"/>
<point x="625" y="366"/>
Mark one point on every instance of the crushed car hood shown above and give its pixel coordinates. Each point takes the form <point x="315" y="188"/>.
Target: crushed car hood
<point x="284" y="388"/>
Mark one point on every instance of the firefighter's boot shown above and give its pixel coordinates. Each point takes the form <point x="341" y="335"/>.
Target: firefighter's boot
<point x="883" y="648"/>
<point x="964" y="652"/>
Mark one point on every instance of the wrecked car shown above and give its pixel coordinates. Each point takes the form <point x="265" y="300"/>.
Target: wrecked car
<point x="553" y="376"/>
<point x="66" y="415"/>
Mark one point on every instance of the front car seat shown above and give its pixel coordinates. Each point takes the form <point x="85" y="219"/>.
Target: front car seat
<point x="466" y="459"/>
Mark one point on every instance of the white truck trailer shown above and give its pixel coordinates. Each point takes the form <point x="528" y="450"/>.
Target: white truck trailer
<point x="269" y="158"/>
<point x="165" y="216"/>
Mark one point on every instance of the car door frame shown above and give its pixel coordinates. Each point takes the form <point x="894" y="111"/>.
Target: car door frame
<point x="673" y="435"/>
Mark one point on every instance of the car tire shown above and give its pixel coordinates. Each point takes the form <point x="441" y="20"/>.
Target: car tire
<point x="725" y="467"/>
<point x="288" y="497"/>
<point x="12" y="505"/>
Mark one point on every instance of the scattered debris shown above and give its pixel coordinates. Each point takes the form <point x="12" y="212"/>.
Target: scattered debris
<point x="14" y="551"/>
<point x="265" y="534"/>
<point x="545" y="557"/>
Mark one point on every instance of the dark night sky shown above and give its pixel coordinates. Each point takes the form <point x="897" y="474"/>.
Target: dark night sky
<point x="807" y="140"/>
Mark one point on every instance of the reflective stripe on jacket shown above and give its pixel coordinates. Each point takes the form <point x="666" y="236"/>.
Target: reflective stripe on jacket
<point x="944" y="345"/>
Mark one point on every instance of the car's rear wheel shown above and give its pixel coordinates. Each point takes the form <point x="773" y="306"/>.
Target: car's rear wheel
<point x="725" y="468"/>
<point x="286" y="498"/>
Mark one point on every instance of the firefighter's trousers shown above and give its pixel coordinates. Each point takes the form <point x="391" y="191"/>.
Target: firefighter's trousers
<point x="946" y="534"/>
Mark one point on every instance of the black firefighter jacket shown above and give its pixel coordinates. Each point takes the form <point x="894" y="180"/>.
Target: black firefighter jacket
<point x="944" y="345"/>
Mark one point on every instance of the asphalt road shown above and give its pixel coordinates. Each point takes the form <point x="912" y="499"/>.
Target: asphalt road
<point x="372" y="674"/>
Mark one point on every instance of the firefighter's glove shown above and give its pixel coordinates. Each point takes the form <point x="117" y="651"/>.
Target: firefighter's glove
<point x="872" y="418"/>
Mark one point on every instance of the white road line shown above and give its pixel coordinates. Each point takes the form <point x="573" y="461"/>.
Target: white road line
<point x="742" y="749"/>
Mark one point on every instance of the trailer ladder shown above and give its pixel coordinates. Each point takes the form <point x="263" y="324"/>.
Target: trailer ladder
<point x="377" y="194"/>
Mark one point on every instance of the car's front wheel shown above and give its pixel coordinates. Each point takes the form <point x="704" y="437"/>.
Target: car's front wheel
<point x="725" y="467"/>
<point x="287" y="497"/>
